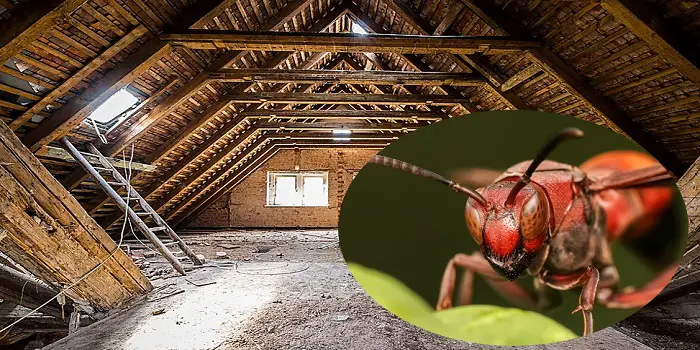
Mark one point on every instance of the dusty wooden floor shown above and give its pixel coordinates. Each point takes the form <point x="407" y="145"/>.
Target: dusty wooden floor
<point x="291" y="290"/>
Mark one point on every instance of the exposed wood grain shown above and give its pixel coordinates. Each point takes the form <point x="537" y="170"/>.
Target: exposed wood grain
<point x="658" y="34"/>
<point x="301" y="76"/>
<point x="30" y="22"/>
<point x="78" y="76"/>
<point x="60" y="153"/>
<point x="57" y="239"/>
<point x="323" y="42"/>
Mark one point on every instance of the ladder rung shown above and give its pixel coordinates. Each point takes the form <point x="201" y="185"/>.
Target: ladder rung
<point x="143" y="213"/>
<point x="159" y="228"/>
<point x="101" y="168"/>
<point x="116" y="183"/>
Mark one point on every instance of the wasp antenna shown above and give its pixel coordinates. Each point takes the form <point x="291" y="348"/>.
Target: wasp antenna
<point x="410" y="168"/>
<point x="549" y="146"/>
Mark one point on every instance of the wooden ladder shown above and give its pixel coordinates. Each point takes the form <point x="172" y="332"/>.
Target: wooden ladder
<point x="137" y="209"/>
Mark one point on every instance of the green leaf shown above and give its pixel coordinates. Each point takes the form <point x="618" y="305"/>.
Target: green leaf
<point x="495" y="325"/>
<point x="485" y="324"/>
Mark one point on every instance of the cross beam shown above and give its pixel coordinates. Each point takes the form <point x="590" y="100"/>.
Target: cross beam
<point x="342" y="98"/>
<point x="347" y="42"/>
<point x="311" y="76"/>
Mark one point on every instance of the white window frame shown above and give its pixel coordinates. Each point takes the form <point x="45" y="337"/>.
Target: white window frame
<point x="299" y="182"/>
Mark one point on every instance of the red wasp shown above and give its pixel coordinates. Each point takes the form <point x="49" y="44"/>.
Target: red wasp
<point x="556" y="222"/>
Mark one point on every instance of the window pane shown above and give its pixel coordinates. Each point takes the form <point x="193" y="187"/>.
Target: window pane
<point x="114" y="106"/>
<point x="314" y="191"/>
<point x="285" y="191"/>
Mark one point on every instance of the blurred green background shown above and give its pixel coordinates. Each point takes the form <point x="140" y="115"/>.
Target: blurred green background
<point x="410" y="227"/>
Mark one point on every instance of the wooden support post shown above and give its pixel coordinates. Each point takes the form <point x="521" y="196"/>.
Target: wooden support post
<point x="167" y="254"/>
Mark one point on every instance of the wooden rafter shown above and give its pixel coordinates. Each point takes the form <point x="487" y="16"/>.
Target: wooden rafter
<point x="302" y="76"/>
<point x="347" y="42"/>
<point x="659" y="35"/>
<point x="344" y="98"/>
<point x="175" y="99"/>
<point x="30" y="22"/>
<point x="476" y="61"/>
<point x="199" y="81"/>
<point x="414" y="61"/>
<point x="581" y="88"/>
<point x="72" y="114"/>
<point x="255" y="129"/>
<point x="78" y="76"/>
<point x="281" y="141"/>
<point x="340" y="114"/>
<point x="227" y="128"/>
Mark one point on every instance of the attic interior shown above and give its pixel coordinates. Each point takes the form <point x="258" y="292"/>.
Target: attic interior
<point x="232" y="129"/>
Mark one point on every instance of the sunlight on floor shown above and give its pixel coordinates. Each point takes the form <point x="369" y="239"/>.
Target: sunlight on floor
<point x="204" y="319"/>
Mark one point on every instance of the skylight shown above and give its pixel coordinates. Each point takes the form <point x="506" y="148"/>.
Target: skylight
<point x="342" y="132"/>
<point x="357" y="29"/>
<point x="117" y="104"/>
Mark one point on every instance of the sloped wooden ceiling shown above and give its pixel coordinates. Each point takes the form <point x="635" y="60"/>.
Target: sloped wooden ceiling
<point x="215" y="106"/>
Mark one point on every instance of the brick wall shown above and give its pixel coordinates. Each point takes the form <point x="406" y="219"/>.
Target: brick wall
<point x="245" y="206"/>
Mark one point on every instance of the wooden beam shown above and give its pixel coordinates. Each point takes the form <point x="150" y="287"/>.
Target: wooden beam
<point x="661" y="37"/>
<point x="78" y="76"/>
<point x="581" y="88"/>
<point x="199" y="81"/>
<point x="72" y="114"/>
<point x="29" y="22"/>
<point x="521" y="76"/>
<point x="414" y="61"/>
<point x="344" y="98"/>
<point x="18" y="288"/>
<point x="302" y="76"/>
<point x="232" y="165"/>
<point x="60" y="153"/>
<point x="347" y="42"/>
<point x="50" y="235"/>
<point x="254" y="130"/>
<point x="341" y="114"/>
<point x="235" y="178"/>
<point x="453" y="11"/>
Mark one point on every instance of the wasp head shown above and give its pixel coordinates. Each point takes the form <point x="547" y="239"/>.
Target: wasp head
<point x="510" y="233"/>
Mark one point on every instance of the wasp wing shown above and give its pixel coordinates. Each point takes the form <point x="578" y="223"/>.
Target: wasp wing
<point x="474" y="177"/>
<point x="648" y="176"/>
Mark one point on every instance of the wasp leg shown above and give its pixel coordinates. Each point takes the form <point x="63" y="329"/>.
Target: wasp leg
<point x="476" y="263"/>
<point x="633" y="298"/>
<point x="588" y="278"/>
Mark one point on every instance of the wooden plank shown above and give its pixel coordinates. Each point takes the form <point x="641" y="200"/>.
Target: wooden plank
<point x="30" y="22"/>
<point x="224" y="153"/>
<point x="453" y="11"/>
<point x="78" y="76"/>
<point x="60" y="153"/>
<point x="347" y="42"/>
<point x="343" y="98"/>
<point x="232" y="165"/>
<point x="234" y="178"/>
<point x="68" y="242"/>
<point x="310" y="76"/>
<point x="581" y="88"/>
<point x="341" y="114"/>
<point x="21" y="289"/>
<point x="521" y="76"/>
<point x="79" y="108"/>
<point x="651" y="28"/>
<point x="67" y="118"/>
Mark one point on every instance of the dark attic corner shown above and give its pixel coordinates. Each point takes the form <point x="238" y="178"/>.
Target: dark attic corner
<point x="172" y="171"/>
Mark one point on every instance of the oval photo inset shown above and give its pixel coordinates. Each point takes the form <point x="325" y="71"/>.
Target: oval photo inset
<point x="445" y="229"/>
